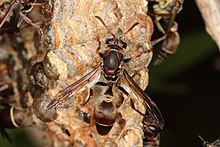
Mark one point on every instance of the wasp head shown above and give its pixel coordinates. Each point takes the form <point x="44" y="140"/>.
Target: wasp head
<point x="116" y="43"/>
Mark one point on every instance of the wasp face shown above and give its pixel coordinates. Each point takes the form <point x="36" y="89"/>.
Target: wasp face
<point x="116" y="43"/>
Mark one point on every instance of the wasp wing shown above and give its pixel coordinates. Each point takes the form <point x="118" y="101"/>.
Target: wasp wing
<point x="72" y="89"/>
<point x="152" y="109"/>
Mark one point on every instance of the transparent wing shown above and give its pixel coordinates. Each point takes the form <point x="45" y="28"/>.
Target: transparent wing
<point x="152" y="109"/>
<point x="72" y="89"/>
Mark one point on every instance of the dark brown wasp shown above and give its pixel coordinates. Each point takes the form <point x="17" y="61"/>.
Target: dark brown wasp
<point x="11" y="118"/>
<point x="151" y="133"/>
<point x="112" y="71"/>
<point x="209" y="144"/>
<point x="12" y="17"/>
<point x="169" y="44"/>
<point x="164" y="13"/>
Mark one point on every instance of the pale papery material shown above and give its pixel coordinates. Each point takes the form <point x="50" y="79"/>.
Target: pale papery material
<point x="211" y="13"/>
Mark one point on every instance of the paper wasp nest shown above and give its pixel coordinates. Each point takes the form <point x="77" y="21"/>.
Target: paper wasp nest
<point x="73" y="39"/>
<point x="71" y="43"/>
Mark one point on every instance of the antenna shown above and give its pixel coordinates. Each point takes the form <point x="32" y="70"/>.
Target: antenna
<point x="104" y="25"/>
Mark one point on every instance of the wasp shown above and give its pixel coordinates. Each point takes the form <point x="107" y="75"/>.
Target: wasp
<point x="112" y="70"/>
<point x="208" y="144"/>
<point x="11" y="117"/>
<point x="151" y="133"/>
<point x="169" y="44"/>
<point x="12" y="18"/>
<point x="164" y="13"/>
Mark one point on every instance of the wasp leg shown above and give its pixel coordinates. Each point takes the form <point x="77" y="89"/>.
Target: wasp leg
<point x="156" y="41"/>
<point x="28" y="21"/>
<point x="90" y="95"/>
<point x="132" y="103"/>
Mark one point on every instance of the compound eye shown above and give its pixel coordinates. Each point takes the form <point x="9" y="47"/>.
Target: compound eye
<point x="108" y="40"/>
<point x="124" y="45"/>
<point x="153" y="130"/>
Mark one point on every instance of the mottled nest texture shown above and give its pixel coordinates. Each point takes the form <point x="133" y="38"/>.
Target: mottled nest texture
<point x="38" y="67"/>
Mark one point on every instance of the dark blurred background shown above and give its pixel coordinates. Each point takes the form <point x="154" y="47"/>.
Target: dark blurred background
<point x="186" y="88"/>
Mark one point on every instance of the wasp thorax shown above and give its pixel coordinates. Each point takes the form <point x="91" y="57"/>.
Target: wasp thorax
<point x="112" y="60"/>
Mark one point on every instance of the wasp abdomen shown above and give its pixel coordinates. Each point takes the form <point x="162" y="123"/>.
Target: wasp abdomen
<point x="11" y="118"/>
<point x="169" y="46"/>
<point x="105" y="115"/>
